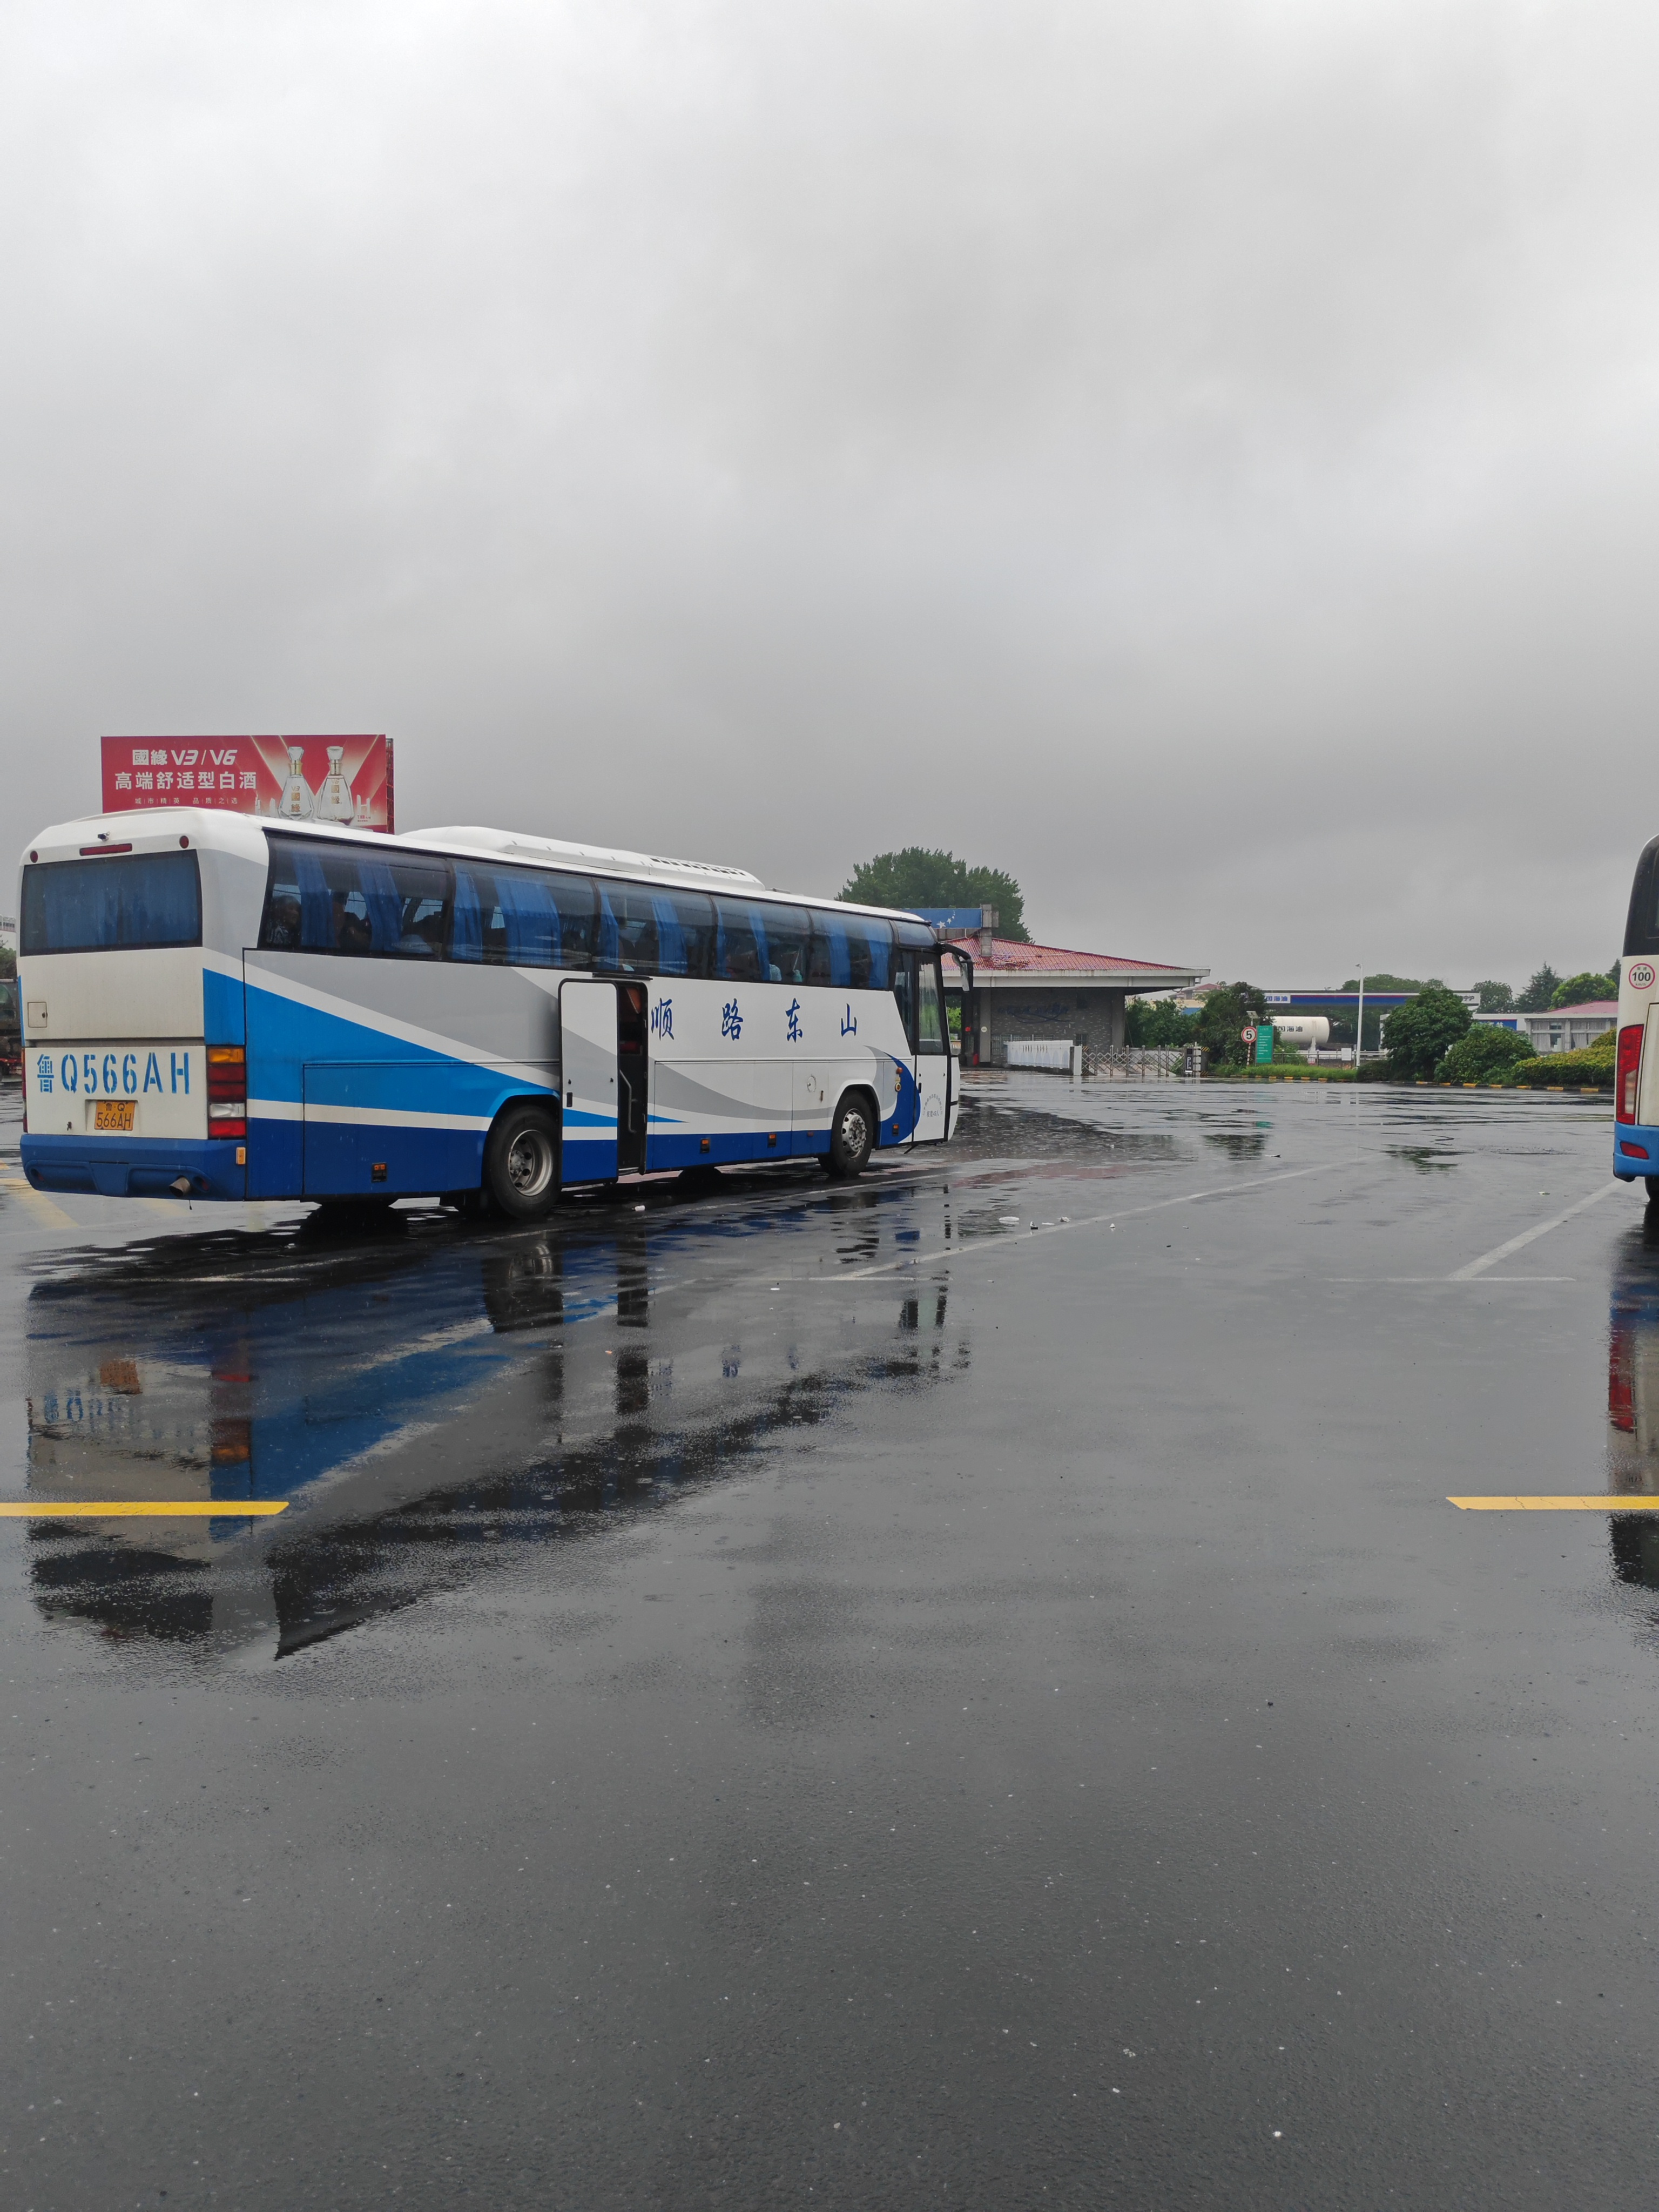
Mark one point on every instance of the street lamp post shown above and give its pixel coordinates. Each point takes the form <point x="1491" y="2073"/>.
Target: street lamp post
<point x="1359" y="1028"/>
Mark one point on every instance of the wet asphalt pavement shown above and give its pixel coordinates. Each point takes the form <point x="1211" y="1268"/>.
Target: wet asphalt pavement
<point x="964" y="1690"/>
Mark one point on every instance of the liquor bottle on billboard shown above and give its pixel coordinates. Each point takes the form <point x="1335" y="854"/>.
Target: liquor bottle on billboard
<point x="334" y="799"/>
<point x="294" y="805"/>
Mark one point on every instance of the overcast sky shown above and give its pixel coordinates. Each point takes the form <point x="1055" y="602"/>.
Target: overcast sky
<point x="1199" y="458"/>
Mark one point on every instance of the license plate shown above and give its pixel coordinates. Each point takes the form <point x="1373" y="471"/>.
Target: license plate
<point x="114" y="1114"/>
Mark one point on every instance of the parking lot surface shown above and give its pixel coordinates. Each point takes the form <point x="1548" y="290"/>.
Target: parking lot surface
<point x="963" y="1689"/>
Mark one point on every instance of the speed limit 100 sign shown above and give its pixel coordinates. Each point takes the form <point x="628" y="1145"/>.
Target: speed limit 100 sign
<point x="1248" y="1035"/>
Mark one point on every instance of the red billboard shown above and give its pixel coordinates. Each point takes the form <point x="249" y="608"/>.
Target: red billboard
<point x="345" y="780"/>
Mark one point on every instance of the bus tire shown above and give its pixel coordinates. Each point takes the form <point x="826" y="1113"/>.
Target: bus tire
<point x="852" y="1136"/>
<point x="1652" y="1182"/>
<point x="521" y="1162"/>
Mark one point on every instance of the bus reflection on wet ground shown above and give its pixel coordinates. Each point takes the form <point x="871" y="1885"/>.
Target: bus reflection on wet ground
<point x="1633" y="1399"/>
<point x="428" y="1396"/>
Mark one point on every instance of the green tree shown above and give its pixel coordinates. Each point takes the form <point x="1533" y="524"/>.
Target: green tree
<point x="1580" y="990"/>
<point x="1539" y="993"/>
<point x="920" y="877"/>
<point x="1495" y="998"/>
<point x="1226" y="1011"/>
<point x="1158" y="1022"/>
<point x="1389" y="983"/>
<point x="1485" y="1054"/>
<point x="1420" y="1033"/>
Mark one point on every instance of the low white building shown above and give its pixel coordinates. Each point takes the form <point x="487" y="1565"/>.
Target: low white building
<point x="1568" y="1028"/>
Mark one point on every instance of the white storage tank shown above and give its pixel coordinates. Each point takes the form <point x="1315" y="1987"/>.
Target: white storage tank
<point x="1301" y="1031"/>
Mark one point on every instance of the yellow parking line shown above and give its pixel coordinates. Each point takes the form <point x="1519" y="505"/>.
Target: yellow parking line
<point x="46" y="1211"/>
<point x="1603" y="1503"/>
<point x="195" y="1508"/>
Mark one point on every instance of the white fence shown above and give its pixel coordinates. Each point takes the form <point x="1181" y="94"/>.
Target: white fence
<point x="1128" y="1064"/>
<point x="1041" y="1052"/>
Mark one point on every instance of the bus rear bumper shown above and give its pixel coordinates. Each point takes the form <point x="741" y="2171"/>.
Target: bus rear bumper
<point x="136" y="1167"/>
<point x="1635" y="1151"/>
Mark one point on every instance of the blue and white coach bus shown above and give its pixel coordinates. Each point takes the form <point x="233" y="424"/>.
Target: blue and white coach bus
<point x="217" y="1006"/>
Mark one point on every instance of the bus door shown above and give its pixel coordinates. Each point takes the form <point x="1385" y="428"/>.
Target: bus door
<point x="588" y="1026"/>
<point x="919" y="1113"/>
<point x="932" y="1062"/>
<point x="633" y="1079"/>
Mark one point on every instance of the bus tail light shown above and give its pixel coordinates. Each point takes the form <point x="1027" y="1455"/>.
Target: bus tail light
<point x="227" y="1074"/>
<point x="1630" y="1070"/>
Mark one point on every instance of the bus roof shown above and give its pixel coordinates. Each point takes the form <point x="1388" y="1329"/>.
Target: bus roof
<point x="147" y="828"/>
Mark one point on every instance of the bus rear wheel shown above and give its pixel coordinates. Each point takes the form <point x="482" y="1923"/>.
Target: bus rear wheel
<point x="852" y="1136"/>
<point x="521" y="1162"/>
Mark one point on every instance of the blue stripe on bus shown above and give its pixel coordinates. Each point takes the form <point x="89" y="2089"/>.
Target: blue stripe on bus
<point x="898" y="1124"/>
<point x="222" y="1008"/>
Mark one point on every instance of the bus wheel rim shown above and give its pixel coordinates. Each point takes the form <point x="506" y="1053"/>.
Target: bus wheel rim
<point x="526" y="1164"/>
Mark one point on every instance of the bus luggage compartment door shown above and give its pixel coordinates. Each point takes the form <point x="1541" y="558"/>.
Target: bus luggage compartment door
<point x="370" y="1130"/>
<point x="587" y="1025"/>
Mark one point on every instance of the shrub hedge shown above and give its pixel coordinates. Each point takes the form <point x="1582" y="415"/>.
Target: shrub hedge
<point x="1571" y="1069"/>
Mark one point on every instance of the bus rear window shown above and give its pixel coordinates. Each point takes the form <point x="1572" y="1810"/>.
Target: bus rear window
<point x="1642" y="929"/>
<point x="133" y="901"/>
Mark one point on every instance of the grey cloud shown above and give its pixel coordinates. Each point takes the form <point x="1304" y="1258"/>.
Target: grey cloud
<point x="1199" y="458"/>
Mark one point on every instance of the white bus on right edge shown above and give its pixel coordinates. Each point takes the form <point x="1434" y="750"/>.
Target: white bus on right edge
<point x="1636" y="1075"/>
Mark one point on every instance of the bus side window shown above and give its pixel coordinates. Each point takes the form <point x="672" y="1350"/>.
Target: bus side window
<point x="332" y="898"/>
<point x="531" y="934"/>
<point x="479" y="933"/>
<point x="280" y="923"/>
<point x="829" y="932"/>
<point x="627" y="929"/>
<point x="685" y="923"/>
<point x="741" y="954"/>
<point x="858" y="949"/>
<point x="405" y="905"/>
<point x="789" y="934"/>
<point x="876" y="940"/>
<point x="573" y="896"/>
<point x="318" y="900"/>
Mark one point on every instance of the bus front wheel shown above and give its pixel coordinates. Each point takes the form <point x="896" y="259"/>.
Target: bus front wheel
<point x="521" y="1162"/>
<point x="852" y="1136"/>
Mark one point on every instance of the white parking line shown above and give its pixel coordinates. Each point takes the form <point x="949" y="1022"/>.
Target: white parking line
<point x="1527" y="1237"/>
<point x="982" y="1247"/>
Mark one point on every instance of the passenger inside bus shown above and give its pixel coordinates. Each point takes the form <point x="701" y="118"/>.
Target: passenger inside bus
<point x="282" y="929"/>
